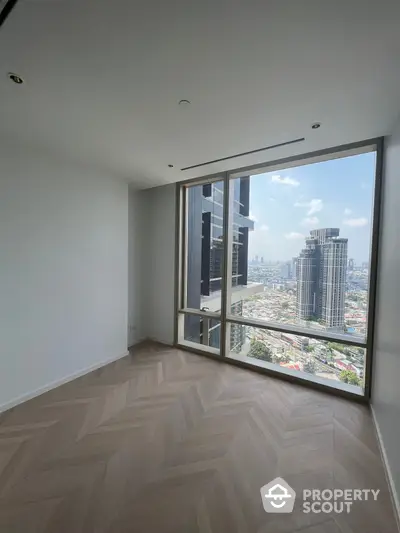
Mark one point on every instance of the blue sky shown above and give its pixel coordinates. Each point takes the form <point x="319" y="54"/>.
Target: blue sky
<point x="286" y="204"/>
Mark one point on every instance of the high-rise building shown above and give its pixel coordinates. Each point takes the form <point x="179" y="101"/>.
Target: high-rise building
<point x="321" y="278"/>
<point x="205" y="259"/>
<point x="262" y="260"/>
<point x="294" y="267"/>
<point x="351" y="264"/>
<point x="286" y="270"/>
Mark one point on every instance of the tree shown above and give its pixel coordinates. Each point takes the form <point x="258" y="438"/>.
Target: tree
<point x="348" y="376"/>
<point x="329" y="356"/>
<point x="309" y="366"/>
<point x="260" y="350"/>
<point x="281" y="358"/>
<point x="285" y="305"/>
<point x="335" y="346"/>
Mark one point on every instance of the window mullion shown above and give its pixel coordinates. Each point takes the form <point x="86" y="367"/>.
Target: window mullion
<point x="227" y="266"/>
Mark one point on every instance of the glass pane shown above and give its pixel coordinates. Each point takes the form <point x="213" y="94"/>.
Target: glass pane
<point x="331" y="363"/>
<point x="204" y="227"/>
<point x="202" y="330"/>
<point x="301" y="245"/>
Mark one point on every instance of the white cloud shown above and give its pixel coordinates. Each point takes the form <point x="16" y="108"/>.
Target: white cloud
<point x="310" y="221"/>
<point x="314" y="206"/>
<point x="355" y="222"/>
<point x="347" y="211"/>
<point x="264" y="227"/>
<point x="294" y="235"/>
<point x="252" y="217"/>
<point x="276" y="178"/>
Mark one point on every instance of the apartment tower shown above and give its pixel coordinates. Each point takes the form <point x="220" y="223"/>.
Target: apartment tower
<point x="321" y="278"/>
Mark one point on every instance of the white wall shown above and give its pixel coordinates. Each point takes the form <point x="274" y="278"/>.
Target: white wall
<point x="138" y="276"/>
<point x="63" y="271"/>
<point x="386" y="368"/>
<point x="158" y="256"/>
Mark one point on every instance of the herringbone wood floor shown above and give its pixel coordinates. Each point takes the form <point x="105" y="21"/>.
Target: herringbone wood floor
<point x="165" y="441"/>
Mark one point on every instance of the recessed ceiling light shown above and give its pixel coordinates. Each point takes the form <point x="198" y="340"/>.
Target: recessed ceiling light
<point x="316" y="125"/>
<point x="15" y="78"/>
<point x="170" y="166"/>
<point x="184" y="103"/>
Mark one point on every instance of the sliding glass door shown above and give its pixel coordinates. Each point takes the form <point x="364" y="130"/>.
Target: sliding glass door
<point x="276" y="266"/>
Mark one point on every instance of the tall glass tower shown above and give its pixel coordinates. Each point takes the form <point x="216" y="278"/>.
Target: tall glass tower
<point x="321" y="278"/>
<point x="205" y="245"/>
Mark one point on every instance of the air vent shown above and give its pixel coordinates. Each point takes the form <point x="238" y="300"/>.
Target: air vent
<point x="245" y="153"/>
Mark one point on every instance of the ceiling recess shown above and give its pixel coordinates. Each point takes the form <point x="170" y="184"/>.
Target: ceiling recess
<point x="294" y="141"/>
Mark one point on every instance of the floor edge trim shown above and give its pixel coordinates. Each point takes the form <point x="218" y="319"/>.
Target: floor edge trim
<point x="386" y="467"/>
<point x="57" y="383"/>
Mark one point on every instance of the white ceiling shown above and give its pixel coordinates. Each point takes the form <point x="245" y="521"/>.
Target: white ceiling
<point x="104" y="77"/>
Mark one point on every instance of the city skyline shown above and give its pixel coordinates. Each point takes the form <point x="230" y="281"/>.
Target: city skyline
<point x="286" y="204"/>
<point x="262" y="261"/>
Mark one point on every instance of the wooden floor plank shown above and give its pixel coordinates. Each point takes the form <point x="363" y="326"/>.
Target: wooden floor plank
<point x="167" y="441"/>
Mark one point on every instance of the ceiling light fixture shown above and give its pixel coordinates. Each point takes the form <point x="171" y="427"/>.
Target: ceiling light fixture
<point x="184" y="103"/>
<point x="15" y="78"/>
<point x="316" y="125"/>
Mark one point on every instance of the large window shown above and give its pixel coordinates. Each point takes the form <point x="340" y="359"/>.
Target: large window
<point x="279" y="262"/>
<point x="204" y="237"/>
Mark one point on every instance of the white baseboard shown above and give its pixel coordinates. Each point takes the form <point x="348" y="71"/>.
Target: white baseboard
<point x="163" y="343"/>
<point x="151" y="339"/>
<point x="49" y="386"/>
<point x="388" y="473"/>
<point x="137" y="342"/>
